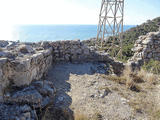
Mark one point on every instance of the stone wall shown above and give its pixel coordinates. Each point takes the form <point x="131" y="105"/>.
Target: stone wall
<point x="77" y="51"/>
<point x="147" y="47"/>
<point x="71" y="51"/>
<point x="21" y="64"/>
<point x="22" y="67"/>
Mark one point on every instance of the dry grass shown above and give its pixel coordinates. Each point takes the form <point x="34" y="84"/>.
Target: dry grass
<point x="80" y="116"/>
<point x="142" y="83"/>
<point x="107" y="89"/>
<point x="1" y="49"/>
<point x="151" y="78"/>
<point x="128" y="78"/>
<point x="130" y="84"/>
<point x="147" y="77"/>
<point x="156" y="115"/>
<point x="120" y="80"/>
<point x="52" y="113"/>
<point x="143" y="102"/>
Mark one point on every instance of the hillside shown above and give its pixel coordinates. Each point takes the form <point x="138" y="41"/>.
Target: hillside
<point x="129" y="38"/>
<point x="132" y="35"/>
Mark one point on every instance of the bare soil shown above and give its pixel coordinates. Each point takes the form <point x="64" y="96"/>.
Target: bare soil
<point x="82" y="89"/>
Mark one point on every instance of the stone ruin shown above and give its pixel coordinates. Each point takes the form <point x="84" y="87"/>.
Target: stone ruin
<point x="147" y="47"/>
<point x="23" y="67"/>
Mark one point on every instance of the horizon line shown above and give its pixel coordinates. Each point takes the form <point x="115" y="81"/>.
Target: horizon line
<point x="71" y="24"/>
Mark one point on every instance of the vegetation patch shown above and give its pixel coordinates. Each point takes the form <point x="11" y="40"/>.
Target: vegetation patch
<point x="120" y="80"/>
<point x="141" y="82"/>
<point x="152" y="66"/>
<point x="156" y="115"/>
<point x="79" y="116"/>
<point x="52" y="113"/>
<point x="129" y="38"/>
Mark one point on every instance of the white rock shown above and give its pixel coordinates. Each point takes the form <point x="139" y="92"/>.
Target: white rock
<point x="25" y="49"/>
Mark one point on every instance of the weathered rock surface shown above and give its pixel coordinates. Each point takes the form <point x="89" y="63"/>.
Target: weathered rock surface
<point x="3" y="43"/>
<point x="147" y="47"/>
<point x="87" y="92"/>
<point x="74" y="51"/>
<point x="22" y="104"/>
<point x="25" y="49"/>
<point x="79" y="52"/>
<point x="16" y="112"/>
<point x="24" y="64"/>
<point x="21" y="63"/>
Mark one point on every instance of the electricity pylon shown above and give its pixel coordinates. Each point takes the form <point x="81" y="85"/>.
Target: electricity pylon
<point x="111" y="21"/>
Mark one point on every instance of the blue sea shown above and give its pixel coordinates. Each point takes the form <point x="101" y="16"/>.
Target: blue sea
<point x="36" y="33"/>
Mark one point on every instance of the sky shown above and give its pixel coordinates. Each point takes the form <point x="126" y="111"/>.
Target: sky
<point x="71" y="11"/>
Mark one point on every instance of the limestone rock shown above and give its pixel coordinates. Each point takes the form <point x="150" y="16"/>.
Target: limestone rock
<point x="147" y="41"/>
<point x="25" y="96"/>
<point x="38" y="95"/>
<point x="46" y="88"/>
<point x="15" y="112"/>
<point x="25" y="49"/>
<point x="3" y="43"/>
<point x="146" y="48"/>
<point x="138" y="49"/>
<point x="45" y="44"/>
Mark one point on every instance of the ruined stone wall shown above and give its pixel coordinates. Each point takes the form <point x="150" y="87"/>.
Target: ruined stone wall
<point x="22" y="67"/>
<point x="147" y="47"/>
<point x="75" y="51"/>
<point x="21" y="64"/>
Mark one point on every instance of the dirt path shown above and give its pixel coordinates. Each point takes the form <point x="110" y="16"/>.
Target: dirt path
<point x="81" y="87"/>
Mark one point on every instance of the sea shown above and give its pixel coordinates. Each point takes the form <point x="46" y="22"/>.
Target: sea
<point x="36" y="33"/>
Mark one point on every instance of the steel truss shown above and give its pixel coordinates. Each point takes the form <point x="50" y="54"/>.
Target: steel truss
<point x="110" y="20"/>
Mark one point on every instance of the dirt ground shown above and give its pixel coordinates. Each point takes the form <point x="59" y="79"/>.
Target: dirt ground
<point x="82" y="89"/>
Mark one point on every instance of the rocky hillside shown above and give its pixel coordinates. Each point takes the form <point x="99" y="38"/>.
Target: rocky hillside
<point x="129" y="38"/>
<point x="132" y="35"/>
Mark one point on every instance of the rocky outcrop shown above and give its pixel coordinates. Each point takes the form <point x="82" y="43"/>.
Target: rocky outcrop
<point x="71" y="51"/>
<point x="20" y="64"/>
<point x="146" y="48"/>
<point x="23" y="65"/>
<point x="77" y="51"/>
<point x="23" y="103"/>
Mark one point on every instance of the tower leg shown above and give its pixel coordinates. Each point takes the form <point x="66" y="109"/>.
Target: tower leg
<point x="111" y="23"/>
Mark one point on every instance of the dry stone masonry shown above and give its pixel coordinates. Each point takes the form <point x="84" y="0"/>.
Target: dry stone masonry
<point x="147" y="47"/>
<point x="20" y="64"/>
<point x="23" y="67"/>
<point x="23" y="103"/>
<point x="75" y="51"/>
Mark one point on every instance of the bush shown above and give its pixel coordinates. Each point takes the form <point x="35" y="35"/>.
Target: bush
<point x="129" y="38"/>
<point x="152" y="66"/>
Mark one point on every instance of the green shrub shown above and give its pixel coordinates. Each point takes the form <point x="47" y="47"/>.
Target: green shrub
<point x="152" y="66"/>
<point x="129" y="38"/>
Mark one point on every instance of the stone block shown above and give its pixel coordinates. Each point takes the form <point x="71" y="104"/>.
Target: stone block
<point x="25" y="49"/>
<point x="21" y="78"/>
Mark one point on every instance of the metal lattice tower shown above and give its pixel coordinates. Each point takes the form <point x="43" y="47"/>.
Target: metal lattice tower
<point x="110" y="20"/>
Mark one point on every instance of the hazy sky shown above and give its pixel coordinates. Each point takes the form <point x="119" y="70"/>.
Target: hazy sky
<point x="71" y="11"/>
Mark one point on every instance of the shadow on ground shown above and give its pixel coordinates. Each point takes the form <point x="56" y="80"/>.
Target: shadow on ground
<point x="60" y="75"/>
